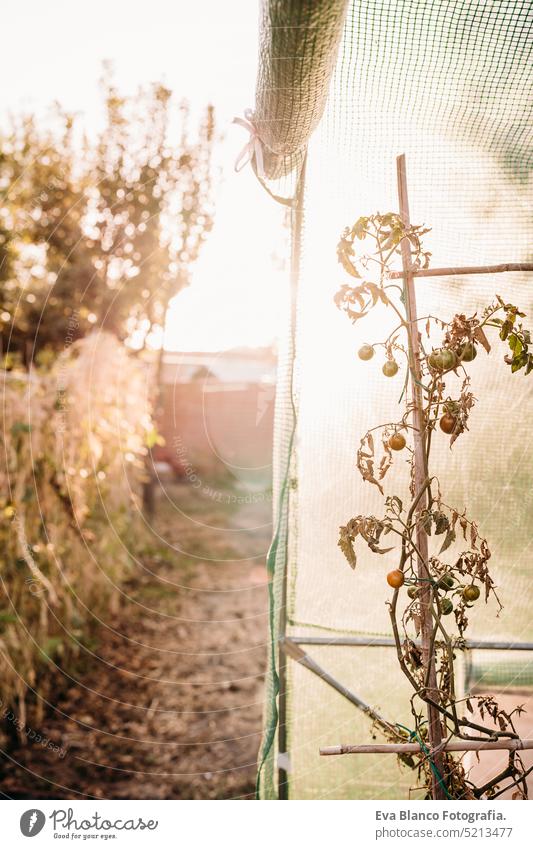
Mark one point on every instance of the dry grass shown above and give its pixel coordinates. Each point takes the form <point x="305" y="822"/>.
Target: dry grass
<point x="170" y="703"/>
<point x="70" y="466"/>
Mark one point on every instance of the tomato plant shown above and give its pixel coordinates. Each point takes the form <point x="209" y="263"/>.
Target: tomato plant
<point x="449" y="589"/>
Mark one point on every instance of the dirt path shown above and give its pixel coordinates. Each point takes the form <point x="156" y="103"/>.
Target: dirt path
<point x="171" y="706"/>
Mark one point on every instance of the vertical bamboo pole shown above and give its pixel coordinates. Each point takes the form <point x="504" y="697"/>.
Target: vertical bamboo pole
<point x="420" y="476"/>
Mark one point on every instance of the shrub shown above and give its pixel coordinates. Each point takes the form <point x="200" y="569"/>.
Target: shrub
<point x="73" y="440"/>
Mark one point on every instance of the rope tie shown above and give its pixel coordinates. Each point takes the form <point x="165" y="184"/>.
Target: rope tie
<point x="253" y="149"/>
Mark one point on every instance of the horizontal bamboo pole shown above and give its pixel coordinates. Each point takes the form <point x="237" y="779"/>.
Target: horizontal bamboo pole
<point x="466" y="269"/>
<point x="379" y="642"/>
<point x="293" y="650"/>
<point x="414" y="748"/>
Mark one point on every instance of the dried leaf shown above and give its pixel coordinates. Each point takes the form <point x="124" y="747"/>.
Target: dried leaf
<point x="380" y="550"/>
<point x="448" y="539"/>
<point x="479" y="334"/>
<point x="442" y="523"/>
<point x="346" y="546"/>
<point x="343" y="250"/>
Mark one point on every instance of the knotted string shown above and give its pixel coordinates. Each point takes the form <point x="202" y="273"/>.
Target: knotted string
<point x="253" y="149"/>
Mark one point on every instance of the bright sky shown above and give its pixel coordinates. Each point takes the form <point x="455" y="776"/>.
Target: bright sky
<point x="204" y="51"/>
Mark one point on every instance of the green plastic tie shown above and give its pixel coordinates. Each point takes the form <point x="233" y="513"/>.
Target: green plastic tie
<point x="413" y="735"/>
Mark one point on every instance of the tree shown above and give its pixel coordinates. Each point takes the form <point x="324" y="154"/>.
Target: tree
<point x="150" y="208"/>
<point x="46" y="263"/>
<point x="103" y="232"/>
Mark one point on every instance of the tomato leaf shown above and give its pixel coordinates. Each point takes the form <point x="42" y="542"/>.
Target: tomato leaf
<point x="448" y="539"/>
<point x="479" y="334"/>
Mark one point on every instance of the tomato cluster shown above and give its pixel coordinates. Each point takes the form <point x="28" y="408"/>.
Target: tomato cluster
<point x="445" y="359"/>
<point x="439" y="361"/>
<point x="446" y="583"/>
<point x="390" y="366"/>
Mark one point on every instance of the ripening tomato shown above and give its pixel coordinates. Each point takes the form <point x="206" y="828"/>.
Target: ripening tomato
<point x="365" y="352"/>
<point x="448" y="423"/>
<point x="397" y="441"/>
<point x="471" y="593"/>
<point x="395" y="579"/>
<point x="390" y="368"/>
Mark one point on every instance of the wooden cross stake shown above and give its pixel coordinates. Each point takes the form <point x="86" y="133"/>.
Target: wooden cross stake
<point x="420" y="478"/>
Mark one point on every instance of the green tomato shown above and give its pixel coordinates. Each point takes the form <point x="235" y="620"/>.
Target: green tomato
<point x="446" y="582"/>
<point x="390" y="368"/>
<point x="468" y="352"/>
<point x="435" y="360"/>
<point x="412" y="592"/>
<point x="445" y="606"/>
<point x="449" y="359"/>
<point x="443" y="359"/>
<point x="365" y="352"/>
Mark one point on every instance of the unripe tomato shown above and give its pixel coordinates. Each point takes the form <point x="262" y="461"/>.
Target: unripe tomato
<point x="445" y="606"/>
<point x="443" y="359"/>
<point x="390" y="368"/>
<point x="446" y="582"/>
<point x="435" y="361"/>
<point x="448" y="358"/>
<point x="412" y="592"/>
<point x="448" y="423"/>
<point x="397" y="441"/>
<point x="395" y="578"/>
<point x="468" y="352"/>
<point x="365" y="352"/>
<point x="471" y="593"/>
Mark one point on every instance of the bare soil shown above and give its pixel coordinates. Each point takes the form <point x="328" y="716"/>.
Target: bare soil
<point x="169" y="705"/>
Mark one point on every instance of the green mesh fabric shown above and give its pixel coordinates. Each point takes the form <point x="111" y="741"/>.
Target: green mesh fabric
<point x="501" y="669"/>
<point x="299" y="41"/>
<point x="449" y="85"/>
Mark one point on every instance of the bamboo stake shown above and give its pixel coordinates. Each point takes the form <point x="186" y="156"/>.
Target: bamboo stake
<point x="420" y="477"/>
<point x="511" y="745"/>
<point x="467" y="269"/>
<point x="380" y="642"/>
<point x="298" y="654"/>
